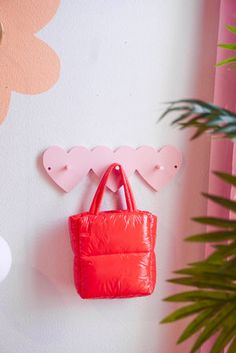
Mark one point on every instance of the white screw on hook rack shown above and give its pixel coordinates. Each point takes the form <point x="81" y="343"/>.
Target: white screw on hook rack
<point x="5" y="259"/>
<point x="67" y="167"/>
<point x="160" y="167"/>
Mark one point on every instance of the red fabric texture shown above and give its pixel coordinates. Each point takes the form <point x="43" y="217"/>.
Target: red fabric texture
<point x="114" y="250"/>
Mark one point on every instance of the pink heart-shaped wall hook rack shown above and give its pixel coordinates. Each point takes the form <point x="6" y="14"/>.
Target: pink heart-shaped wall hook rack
<point x="104" y="156"/>
<point x="156" y="167"/>
<point x="67" y="169"/>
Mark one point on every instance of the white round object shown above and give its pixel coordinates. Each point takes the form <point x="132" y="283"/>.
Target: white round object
<point x="5" y="259"/>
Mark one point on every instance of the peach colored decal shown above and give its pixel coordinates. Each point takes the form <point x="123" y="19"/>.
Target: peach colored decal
<point x="27" y="64"/>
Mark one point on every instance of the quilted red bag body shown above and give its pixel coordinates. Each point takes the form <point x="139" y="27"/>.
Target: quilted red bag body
<point x="114" y="250"/>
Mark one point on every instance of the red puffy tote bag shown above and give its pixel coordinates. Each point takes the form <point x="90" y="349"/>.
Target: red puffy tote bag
<point x="114" y="250"/>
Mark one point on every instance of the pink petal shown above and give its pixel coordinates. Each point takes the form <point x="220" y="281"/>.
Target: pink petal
<point x="27" y="64"/>
<point x="28" y="15"/>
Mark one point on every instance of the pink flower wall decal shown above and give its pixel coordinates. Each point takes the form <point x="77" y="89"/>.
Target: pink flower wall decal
<point x="27" y="64"/>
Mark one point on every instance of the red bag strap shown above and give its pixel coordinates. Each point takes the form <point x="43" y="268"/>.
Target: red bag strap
<point x="101" y="188"/>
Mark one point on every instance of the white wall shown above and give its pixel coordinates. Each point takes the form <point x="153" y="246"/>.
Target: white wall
<point x="120" y="60"/>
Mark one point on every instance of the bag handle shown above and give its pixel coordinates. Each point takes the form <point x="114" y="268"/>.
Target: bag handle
<point x="101" y="188"/>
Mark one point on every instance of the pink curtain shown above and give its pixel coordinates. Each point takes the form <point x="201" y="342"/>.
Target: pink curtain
<point x="223" y="152"/>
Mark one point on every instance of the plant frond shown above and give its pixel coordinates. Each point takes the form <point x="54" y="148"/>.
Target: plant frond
<point x="231" y="28"/>
<point x="203" y="116"/>
<point x="198" y="323"/>
<point x="218" y="222"/>
<point x="186" y="311"/>
<point x="232" y="347"/>
<point x="226" y="61"/>
<point x="192" y="296"/>
<point x="227" y="46"/>
<point x="226" y="334"/>
<point x="227" y="203"/>
<point x="228" y="178"/>
<point x="206" y="283"/>
<point x="213" y="237"/>
<point x="214" y="325"/>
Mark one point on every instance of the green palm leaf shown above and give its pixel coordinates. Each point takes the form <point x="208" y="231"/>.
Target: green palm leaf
<point x="226" y="335"/>
<point x="209" y="264"/>
<point x="200" y="321"/>
<point x="212" y="303"/>
<point x="227" y="46"/>
<point x="212" y="298"/>
<point x="213" y="237"/>
<point x="214" y="325"/>
<point x="232" y="347"/>
<point x="228" y="178"/>
<point x="187" y="311"/>
<point x="202" y="282"/>
<point x="229" y="204"/>
<point x="192" y="296"/>
<point x="218" y="222"/>
<point x="231" y="29"/>
<point x="214" y="272"/>
<point x="225" y="251"/>
<point x="227" y="61"/>
<point x="203" y="116"/>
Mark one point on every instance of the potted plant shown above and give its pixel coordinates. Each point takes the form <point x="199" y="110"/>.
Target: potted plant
<point x="211" y="302"/>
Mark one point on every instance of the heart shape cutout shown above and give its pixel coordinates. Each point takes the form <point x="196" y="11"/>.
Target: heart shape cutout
<point x="158" y="167"/>
<point x="126" y="156"/>
<point x="67" y="169"/>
